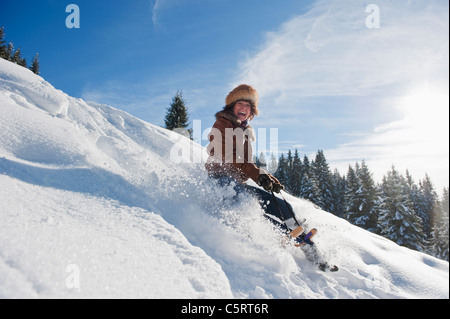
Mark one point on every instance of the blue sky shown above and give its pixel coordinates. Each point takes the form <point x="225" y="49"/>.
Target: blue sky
<point x="326" y="80"/>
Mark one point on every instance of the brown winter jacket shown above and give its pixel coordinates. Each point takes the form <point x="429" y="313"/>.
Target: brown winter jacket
<point x="230" y="151"/>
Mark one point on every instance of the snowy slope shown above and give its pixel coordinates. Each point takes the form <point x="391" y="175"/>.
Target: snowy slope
<point x="96" y="204"/>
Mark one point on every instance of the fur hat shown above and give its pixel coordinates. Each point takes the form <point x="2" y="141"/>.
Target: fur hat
<point x="244" y="93"/>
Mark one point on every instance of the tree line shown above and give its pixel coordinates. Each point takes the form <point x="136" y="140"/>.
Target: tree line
<point x="397" y="208"/>
<point x="7" y="52"/>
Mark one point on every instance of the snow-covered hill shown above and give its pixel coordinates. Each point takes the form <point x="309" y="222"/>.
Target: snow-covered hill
<point x="93" y="205"/>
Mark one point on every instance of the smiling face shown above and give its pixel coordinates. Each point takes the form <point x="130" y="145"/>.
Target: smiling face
<point x="242" y="110"/>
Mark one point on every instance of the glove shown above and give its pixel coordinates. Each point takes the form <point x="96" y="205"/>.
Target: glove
<point x="270" y="183"/>
<point x="277" y="187"/>
<point x="265" y="181"/>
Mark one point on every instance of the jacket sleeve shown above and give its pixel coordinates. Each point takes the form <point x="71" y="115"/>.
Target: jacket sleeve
<point x="250" y="170"/>
<point x="227" y="144"/>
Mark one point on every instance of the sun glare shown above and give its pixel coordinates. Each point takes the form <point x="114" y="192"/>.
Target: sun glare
<point x="425" y="106"/>
<point x="425" y="124"/>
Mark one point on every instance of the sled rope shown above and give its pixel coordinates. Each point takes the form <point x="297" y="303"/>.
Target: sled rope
<point x="281" y="212"/>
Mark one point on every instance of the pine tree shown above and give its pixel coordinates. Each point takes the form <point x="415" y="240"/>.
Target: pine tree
<point x="295" y="174"/>
<point x="261" y="161"/>
<point x="351" y="195"/>
<point x="17" y="58"/>
<point x="417" y="199"/>
<point x="3" y="47"/>
<point x="272" y="165"/>
<point x="413" y="191"/>
<point x="322" y="175"/>
<point x="309" y="189"/>
<point x="306" y="166"/>
<point x="397" y="219"/>
<point x="177" y="116"/>
<point x="440" y="239"/>
<point x="429" y="204"/>
<point x="281" y="173"/>
<point x="445" y="202"/>
<point x="6" y="51"/>
<point x="35" y="64"/>
<point x="289" y="160"/>
<point x="368" y="196"/>
<point x="339" y="187"/>
<point x="9" y="51"/>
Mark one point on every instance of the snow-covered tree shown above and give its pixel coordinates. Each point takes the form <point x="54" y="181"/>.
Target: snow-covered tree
<point x="17" y="58"/>
<point x="361" y="197"/>
<point x="288" y="171"/>
<point x="440" y="238"/>
<point x="308" y="186"/>
<point x="272" y="165"/>
<point x="260" y="161"/>
<point x="295" y="173"/>
<point x="429" y="204"/>
<point x="9" y="51"/>
<point x="281" y="173"/>
<point x="323" y="180"/>
<point x="339" y="187"/>
<point x="351" y="193"/>
<point x="35" y="64"/>
<point x="368" y="198"/>
<point x="397" y="218"/>
<point x="309" y="190"/>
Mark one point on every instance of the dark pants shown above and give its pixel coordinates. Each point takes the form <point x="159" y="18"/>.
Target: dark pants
<point x="278" y="212"/>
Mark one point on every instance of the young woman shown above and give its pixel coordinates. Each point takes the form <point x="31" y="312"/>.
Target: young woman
<point x="230" y="159"/>
<point x="230" y="155"/>
<point x="230" y="147"/>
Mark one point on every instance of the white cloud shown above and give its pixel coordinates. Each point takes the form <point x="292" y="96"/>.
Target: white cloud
<point x="329" y="52"/>
<point x="155" y="8"/>
<point x="160" y="9"/>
